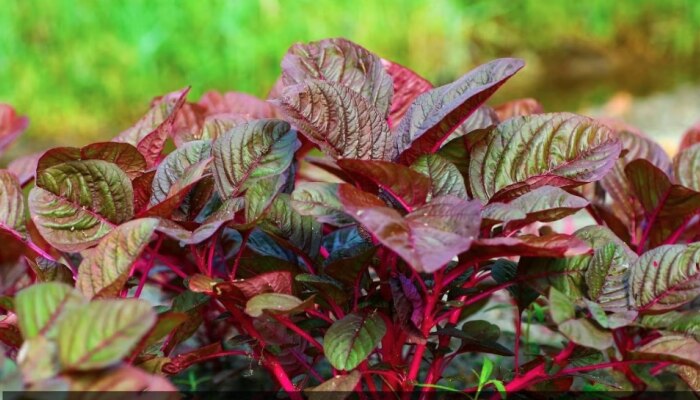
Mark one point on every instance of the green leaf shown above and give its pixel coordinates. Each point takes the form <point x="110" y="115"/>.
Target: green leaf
<point x="581" y="331"/>
<point x="124" y="155"/>
<point x="37" y="359"/>
<point x="666" y="277"/>
<point x="427" y="238"/>
<point x="187" y="196"/>
<point x="122" y="378"/>
<point x="336" y="388"/>
<point x="49" y="271"/>
<point x="172" y="169"/>
<point x="105" y="269"/>
<point x="320" y="200"/>
<point x="11" y="205"/>
<point x="607" y="275"/>
<point x="339" y="120"/>
<point x="544" y="204"/>
<point x="525" y="153"/>
<point x="304" y="232"/>
<point x="76" y="203"/>
<point x="685" y="322"/>
<point x="444" y="176"/>
<point x="41" y="306"/>
<point x="277" y="303"/>
<point x="674" y="348"/>
<point x="102" y="333"/>
<point x="686" y="165"/>
<point x="350" y="340"/>
<point x="435" y="114"/>
<point x="486" y="370"/>
<point x="342" y="62"/>
<point x="252" y="151"/>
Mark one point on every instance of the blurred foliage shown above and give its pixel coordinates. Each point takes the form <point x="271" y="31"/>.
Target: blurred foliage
<point x="85" y="69"/>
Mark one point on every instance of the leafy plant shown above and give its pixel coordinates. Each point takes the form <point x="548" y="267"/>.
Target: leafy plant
<point x="366" y="266"/>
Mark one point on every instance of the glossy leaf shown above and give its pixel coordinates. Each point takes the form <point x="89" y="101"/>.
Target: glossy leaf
<point x="41" y="307"/>
<point x="683" y="322"/>
<point x="478" y="336"/>
<point x="666" y="277"/>
<point x="338" y="120"/>
<point x="342" y="62"/>
<point x="350" y="340"/>
<point x="525" y="153"/>
<point x="277" y="303"/>
<point x="173" y="167"/>
<point x="76" y="203"/>
<point x="12" y="218"/>
<point x="544" y="204"/>
<point x="434" y="115"/>
<point x="445" y="178"/>
<point x="250" y="152"/>
<point x="124" y="155"/>
<point x="302" y="232"/>
<point x="105" y="269"/>
<point x="674" y="348"/>
<point x="407" y="87"/>
<point x="552" y="245"/>
<point x="102" y="333"/>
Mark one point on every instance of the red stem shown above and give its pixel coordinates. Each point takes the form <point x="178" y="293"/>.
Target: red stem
<point x="292" y="326"/>
<point x="237" y="261"/>
<point x="145" y="271"/>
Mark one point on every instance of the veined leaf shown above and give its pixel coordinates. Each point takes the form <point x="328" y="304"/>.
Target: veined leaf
<point x="552" y="245"/>
<point x="173" y="167"/>
<point x="279" y="303"/>
<point x="24" y="167"/>
<point x="427" y="238"/>
<point x="320" y="200"/>
<point x="41" y="307"/>
<point x="544" y="204"/>
<point x="76" y="203"/>
<point x="407" y="86"/>
<point x="102" y="333"/>
<point x="235" y="103"/>
<point x="674" y="348"/>
<point x="408" y="307"/>
<point x="525" y="153"/>
<point x="342" y="62"/>
<point x="11" y="205"/>
<point x="666" y="277"/>
<point x="690" y="137"/>
<point x="478" y="336"/>
<point x="483" y="118"/>
<point x="350" y="340"/>
<point x="685" y="322"/>
<point x="11" y="126"/>
<point x="686" y="165"/>
<point x="124" y="155"/>
<point x="518" y="108"/>
<point x="580" y="331"/>
<point x="105" y="269"/>
<point x="149" y="134"/>
<point x="252" y="151"/>
<point x="435" y="114"/>
<point x="444" y="177"/>
<point x="666" y="206"/>
<point x="303" y="232"/>
<point x="337" y="119"/>
<point x="406" y="186"/>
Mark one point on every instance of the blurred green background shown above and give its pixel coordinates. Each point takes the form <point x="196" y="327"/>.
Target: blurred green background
<point x="84" y="70"/>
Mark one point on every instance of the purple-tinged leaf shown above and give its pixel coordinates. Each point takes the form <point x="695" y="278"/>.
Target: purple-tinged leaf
<point x="674" y="348"/>
<point x="445" y="178"/>
<point x="240" y="104"/>
<point x="434" y="115"/>
<point x="408" y="187"/>
<point x="408" y="306"/>
<point x="483" y="118"/>
<point x="686" y="165"/>
<point x="518" y="108"/>
<point x="525" y="153"/>
<point x="690" y="137"/>
<point x="149" y="134"/>
<point x="269" y="282"/>
<point x="143" y="186"/>
<point x="12" y="218"/>
<point x="302" y="232"/>
<point x="105" y="269"/>
<point x="341" y="122"/>
<point x="427" y="238"/>
<point x="685" y="322"/>
<point x="76" y="203"/>
<point x="407" y="86"/>
<point x="342" y="62"/>
<point x="553" y="245"/>
<point x="11" y="126"/>
<point x="666" y="206"/>
<point x="24" y="167"/>
<point x="252" y="151"/>
<point x="666" y="277"/>
<point x="123" y="155"/>
<point x="333" y="387"/>
<point x="320" y="200"/>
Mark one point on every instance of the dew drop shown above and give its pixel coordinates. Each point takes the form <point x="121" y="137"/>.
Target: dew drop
<point x="72" y="228"/>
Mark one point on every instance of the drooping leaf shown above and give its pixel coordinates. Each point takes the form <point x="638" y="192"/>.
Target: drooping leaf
<point x="525" y="153"/>
<point x="250" y="152"/>
<point x="674" y="348"/>
<point x="41" y="306"/>
<point x="173" y="167"/>
<point x="124" y="155"/>
<point x="105" y="269"/>
<point x="320" y="200"/>
<point x="339" y="120"/>
<point x="12" y="218"/>
<point x="444" y="176"/>
<point x="580" y="331"/>
<point x="336" y="388"/>
<point x="407" y="86"/>
<point x="518" y="108"/>
<point x="342" y="62"/>
<point x="350" y="340"/>
<point x="435" y="114"/>
<point x="149" y="134"/>
<point x="478" y="336"/>
<point x="483" y="118"/>
<point x="408" y="307"/>
<point x="666" y="277"/>
<point x="408" y="187"/>
<point x="278" y="303"/>
<point x="11" y="126"/>
<point x="187" y="196"/>
<point x="102" y="333"/>
<point x="303" y="232"/>
<point x="683" y="322"/>
<point x="427" y="238"/>
<point x="551" y="245"/>
<point x="544" y="204"/>
<point x="76" y="203"/>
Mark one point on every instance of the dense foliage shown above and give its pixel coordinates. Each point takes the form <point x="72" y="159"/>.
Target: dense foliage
<point x="245" y="258"/>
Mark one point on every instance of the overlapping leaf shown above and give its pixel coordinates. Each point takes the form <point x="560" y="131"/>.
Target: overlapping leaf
<point x="303" y="232"/>
<point x="41" y="307"/>
<point x="434" y="115"/>
<point x="124" y="155"/>
<point x="445" y="178"/>
<point x="320" y="200"/>
<point x="579" y="330"/>
<point x="350" y="340"/>
<point x="407" y="86"/>
<point x="525" y="153"/>
<point x="76" y="203"/>
<point x="339" y="120"/>
<point x="518" y="108"/>
<point x="11" y="205"/>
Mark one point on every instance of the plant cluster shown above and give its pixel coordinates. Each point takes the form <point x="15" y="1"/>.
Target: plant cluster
<point x="351" y="233"/>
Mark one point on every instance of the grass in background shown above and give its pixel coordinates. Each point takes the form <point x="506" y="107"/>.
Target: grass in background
<point x="84" y="70"/>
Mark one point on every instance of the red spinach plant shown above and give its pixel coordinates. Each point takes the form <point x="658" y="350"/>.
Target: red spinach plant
<point x="247" y="258"/>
